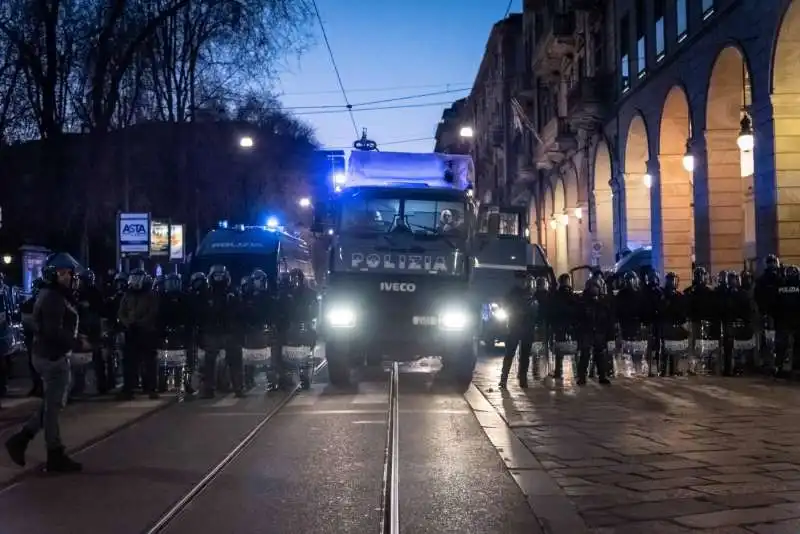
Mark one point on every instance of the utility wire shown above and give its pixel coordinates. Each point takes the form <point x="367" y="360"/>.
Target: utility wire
<point x="396" y="142"/>
<point x="454" y="86"/>
<point x="406" y="106"/>
<point x="508" y="8"/>
<point x="383" y="101"/>
<point x="335" y="67"/>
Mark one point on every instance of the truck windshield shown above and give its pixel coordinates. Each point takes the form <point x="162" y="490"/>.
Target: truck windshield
<point x="430" y="217"/>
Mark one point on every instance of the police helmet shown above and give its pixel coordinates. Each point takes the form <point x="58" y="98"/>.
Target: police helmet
<point x="671" y="281"/>
<point x="722" y="279"/>
<point x="245" y="285"/>
<point x="120" y="281"/>
<point x="700" y="276"/>
<point x="197" y="281"/>
<point x="792" y="274"/>
<point x="733" y="280"/>
<point x="86" y="278"/>
<point x="564" y="281"/>
<point x="651" y="278"/>
<point x="747" y="279"/>
<point x="260" y="280"/>
<point x="137" y="281"/>
<point x="218" y="276"/>
<point x="173" y="283"/>
<point x="772" y="262"/>
<point x="594" y="286"/>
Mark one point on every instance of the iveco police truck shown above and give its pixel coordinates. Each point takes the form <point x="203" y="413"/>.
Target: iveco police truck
<point x="400" y="227"/>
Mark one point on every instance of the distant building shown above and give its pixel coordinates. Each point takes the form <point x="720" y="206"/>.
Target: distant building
<point x="498" y="137"/>
<point x="448" y="132"/>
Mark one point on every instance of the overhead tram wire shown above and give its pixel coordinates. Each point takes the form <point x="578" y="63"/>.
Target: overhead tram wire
<point x="453" y="86"/>
<point x="382" y="101"/>
<point x="395" y="142"/>
<point x="508" y="8"/>
<point x="335" y="66"/>
<point x="350" y="110"/>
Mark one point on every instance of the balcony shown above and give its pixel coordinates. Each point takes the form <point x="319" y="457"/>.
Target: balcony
<point x="558" y="139"/>
<point x="588" y="101"/>
<point x="556" y="42"/>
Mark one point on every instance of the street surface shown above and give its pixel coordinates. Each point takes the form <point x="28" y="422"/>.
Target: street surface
<point x="659" y="456"/>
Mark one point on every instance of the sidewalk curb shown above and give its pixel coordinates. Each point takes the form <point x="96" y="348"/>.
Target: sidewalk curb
<point x="32" y="470"/>
<point x="551" y="507"/>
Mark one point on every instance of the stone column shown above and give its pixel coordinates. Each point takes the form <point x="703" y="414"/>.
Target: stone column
<point x="786" y="116"/>
<point x="677" y="216"/>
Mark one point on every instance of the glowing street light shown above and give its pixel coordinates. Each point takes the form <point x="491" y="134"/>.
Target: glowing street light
<point x="553" y="223"/>
<point x="339" y="178"/>
<point x="746" y="140"/>
<point x="7" y="259"/>
<point x="579" y="213"/>
<point x="648" y="181"/>
<point x="272" y="223"/>
<point x="466" y="131"/>
<point x="564" y="219"/>
<point x="304" y="202"/>
<point x="246" y="142"/>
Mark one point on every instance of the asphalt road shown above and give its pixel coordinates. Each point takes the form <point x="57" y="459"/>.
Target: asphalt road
<point x="317" y="467"/>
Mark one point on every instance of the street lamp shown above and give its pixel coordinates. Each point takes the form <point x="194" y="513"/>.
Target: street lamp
<point x="553" y="223"/>
<point x="246" y="142"/>
<point x="648" y="180"/>
<point x="746" y="141"/>
<point x="7" y="259"/>
<point x="466" y="131"/>
<point x="304" y="202"/>
<point x="688" y="158"/>
<point x="579" y="213"/>
<point x="564" y="219"/>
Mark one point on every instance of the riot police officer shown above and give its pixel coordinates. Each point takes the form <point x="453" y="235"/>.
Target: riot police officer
<point x="562" y="317"/>
<point x="216" y="332"/>
<point x="652" y="307"/>
<point x="765" y="293"/>
<point x="521" y="308"/>
<point x="173" y="319"/>
<point x="91" y="309"/>
<point x="671" y="319"/>
<point x="138" y="315"/>
<point x="256" y="308"/>
<point x="295" y="308"/>
<point x="196" y="298"/>
<point x="597" y="322"/>
<point x="788" y="321"/>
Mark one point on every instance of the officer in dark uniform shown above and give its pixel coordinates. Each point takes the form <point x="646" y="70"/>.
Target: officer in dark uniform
<point x="672" y="318"/>
<point x="562" y="316"/>
<point x="788" y="321"/>
<point x="91" y="308"/>
<point x="597" y="321"/>
<point x="217" y="332"/>
<point x="521" y="308"/>
<point x="765" y="293"/>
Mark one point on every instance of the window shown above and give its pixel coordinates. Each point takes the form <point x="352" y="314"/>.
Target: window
<point x="641" y="44"/>
<point x="681" y="17"/>
<point x="625" y="59"/>
<point x="660" y="35"/>
<point x="708" y="8"/>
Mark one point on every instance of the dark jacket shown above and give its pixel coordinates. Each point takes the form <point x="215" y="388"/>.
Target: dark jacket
<point x="138" y="312"/>
<point x="55" y="323"/>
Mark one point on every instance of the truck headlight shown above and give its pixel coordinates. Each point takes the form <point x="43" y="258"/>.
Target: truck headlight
<point x="453" y="320"/>
<point x="341" y="317"/>
<point x="500" y="314"/>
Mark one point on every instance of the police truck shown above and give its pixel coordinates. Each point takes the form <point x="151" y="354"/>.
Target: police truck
<point x="400" y="228"/>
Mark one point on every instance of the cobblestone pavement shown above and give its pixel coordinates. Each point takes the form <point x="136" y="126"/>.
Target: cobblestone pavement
<point x="663" y="455"/>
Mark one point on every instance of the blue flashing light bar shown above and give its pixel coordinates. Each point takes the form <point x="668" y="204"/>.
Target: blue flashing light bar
<point x="402" y="169"/>
<point x="223" y="224"/>
<point x="273" y="223"/>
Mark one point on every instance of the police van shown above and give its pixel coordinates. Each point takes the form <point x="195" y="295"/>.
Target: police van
<point x="502" y="249"/>
<point x="242" y="249"/>
<point x="400" y="227"/>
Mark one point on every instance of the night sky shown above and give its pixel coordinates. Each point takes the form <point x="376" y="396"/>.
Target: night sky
<point x="388" y="49"/>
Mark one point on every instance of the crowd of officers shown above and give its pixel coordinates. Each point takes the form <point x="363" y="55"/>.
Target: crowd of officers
<point x="632" y="306"/>
<point x="207" y="315"/>
<point x="69" y="315"/>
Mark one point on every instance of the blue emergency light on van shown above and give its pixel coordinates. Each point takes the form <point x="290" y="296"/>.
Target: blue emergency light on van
<point x="406" y="169"/>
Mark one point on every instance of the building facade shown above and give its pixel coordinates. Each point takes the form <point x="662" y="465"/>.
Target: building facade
<point x="449" y="134"/>
<point x="671" y="124"/>
<point x="496" y="140"/>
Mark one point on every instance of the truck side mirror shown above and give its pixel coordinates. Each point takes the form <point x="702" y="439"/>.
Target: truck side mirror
<point x="320" y="218"/>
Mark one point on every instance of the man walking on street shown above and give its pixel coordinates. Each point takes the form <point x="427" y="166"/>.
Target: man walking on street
<point x="55" y="328"/>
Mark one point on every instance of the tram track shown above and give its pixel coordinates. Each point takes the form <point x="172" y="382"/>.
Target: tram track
<point x="389" y="499"/>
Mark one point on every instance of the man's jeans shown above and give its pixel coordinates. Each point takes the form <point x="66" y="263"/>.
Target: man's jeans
<point x="55" y="379"/>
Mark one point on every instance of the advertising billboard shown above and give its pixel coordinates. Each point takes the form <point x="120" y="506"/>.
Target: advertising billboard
<point x="133" y="233"/>
<point x="159" y="239"/>
<point x="177" y="249"/>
